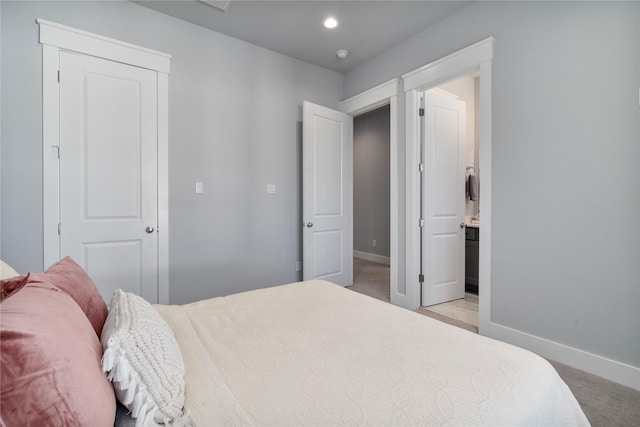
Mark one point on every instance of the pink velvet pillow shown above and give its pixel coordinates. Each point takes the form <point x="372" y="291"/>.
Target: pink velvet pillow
<point x="69" y="277"/>
<point x="11" y="285"/>
<point x="50" y="362"/>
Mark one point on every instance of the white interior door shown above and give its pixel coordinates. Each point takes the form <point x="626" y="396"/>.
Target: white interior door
<point x="108" y="172"/>
<point x="327" y="187"/>
<point x="443" y="199"/>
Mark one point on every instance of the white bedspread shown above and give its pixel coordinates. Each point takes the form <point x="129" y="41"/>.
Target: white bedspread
<point x="313" y="353"/>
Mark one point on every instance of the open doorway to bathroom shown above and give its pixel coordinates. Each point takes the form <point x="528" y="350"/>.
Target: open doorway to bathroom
<point x="465" y="308"/>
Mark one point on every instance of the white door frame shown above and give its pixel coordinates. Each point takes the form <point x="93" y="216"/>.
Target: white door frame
<point x="54" y="38"/>
<point x="383" y="94"/>
<point x="477" y="57"/>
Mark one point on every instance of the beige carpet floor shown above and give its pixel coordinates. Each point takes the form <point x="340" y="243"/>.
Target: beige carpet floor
<point x="605" y="403"/>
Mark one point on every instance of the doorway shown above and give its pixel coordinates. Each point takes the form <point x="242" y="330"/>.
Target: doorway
<point x="371" y="202"/>
<point x="386" y="94"/>
<point x="381" y="95"/>
<point x="450" y="256"/>
<point x="371" y="190"/>
<point x="475" y="58"/>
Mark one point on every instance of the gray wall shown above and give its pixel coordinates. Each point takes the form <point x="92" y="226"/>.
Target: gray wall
<point x="371" y="135"/>
<point x="234" y="124"/>
<point x="566" y="152"/>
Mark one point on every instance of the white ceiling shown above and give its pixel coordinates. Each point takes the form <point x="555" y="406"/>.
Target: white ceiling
<point x="294" y="27"/>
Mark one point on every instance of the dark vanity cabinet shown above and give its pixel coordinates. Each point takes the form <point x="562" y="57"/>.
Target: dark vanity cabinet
<point x="472" y="246"/>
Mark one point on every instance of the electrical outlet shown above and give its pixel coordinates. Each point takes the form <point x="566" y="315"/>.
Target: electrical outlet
<point x="375" y="243"/>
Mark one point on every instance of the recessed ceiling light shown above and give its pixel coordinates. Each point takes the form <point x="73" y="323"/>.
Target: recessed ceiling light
<point x="331" y="22"/>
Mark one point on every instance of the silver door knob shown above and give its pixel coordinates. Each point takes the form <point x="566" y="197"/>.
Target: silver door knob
<point x="309" y="224"/>
<point x="462" y="225"/>
<point x="149" y="229"/>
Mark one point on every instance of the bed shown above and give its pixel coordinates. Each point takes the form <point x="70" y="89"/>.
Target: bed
<point x="316" y="354"/>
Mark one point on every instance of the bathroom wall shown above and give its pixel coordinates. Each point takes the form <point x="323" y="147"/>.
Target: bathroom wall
<point x="371" y="190"/>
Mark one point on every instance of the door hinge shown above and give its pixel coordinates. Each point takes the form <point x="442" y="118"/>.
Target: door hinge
<point x="58" y="76"/>
<point x="420" y="167"/>
<point x="420" y="111"/>
<point x="57" y="148"/>
<point x="59" y="229"/>
<point x="421" y="223"/>
<point x="421" y="278"/>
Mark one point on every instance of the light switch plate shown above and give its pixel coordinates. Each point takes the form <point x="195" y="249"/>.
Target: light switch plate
<point x="271" y="189"/>
<point x="199" y="188"/>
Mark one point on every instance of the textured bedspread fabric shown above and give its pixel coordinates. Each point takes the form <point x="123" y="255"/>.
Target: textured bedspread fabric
<point x="315" y="354"/>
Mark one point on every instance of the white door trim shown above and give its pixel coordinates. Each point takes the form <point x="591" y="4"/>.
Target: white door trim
<point x="477" y="57"/>
<point x="80" y="41"/>
<point x="383" y="94"/>
<point x="54" y="38"/>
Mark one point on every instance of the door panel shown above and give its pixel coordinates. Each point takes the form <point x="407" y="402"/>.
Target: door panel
<point x="102" y="258"/>
<point x="444" y="161"/>
<point x="327" y="261"/>
<point x="445" y="263"/>
<point x="443" y="199"/>
<point x="108" y="172"/>
<point x="327" y="195"/>
<point x="111" y="139"/>
<point x="327" y="167"/>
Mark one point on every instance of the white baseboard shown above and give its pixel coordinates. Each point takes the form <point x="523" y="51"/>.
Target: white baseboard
<point x="372" y="257"/>
<point x="612" y="370"/>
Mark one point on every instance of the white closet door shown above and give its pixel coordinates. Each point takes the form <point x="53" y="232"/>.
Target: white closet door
<point x="109" y="172"/>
